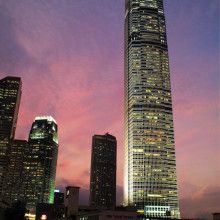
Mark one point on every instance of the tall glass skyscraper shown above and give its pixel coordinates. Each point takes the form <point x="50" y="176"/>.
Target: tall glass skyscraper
<point x="40" y="163"/>
<point x="10" y="95"/>
<point x="103" y="171"/>
<point x="150" y="180"/>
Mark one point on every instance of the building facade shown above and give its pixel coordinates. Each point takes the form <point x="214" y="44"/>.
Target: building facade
<point x="59" y="203"/>
<point x="10" y="95"/>
<point x="40" y="163"/>
<point x="103" y="171"/>
<point x="105" y="214"/>
<point x="150" y="180"/>
<point x="15" y="174"/>
<point x="72" y="201"/>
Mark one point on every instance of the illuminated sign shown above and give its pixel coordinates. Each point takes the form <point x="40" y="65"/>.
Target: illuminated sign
<point x="56" y="190"/>
<point x="43" y="217"/>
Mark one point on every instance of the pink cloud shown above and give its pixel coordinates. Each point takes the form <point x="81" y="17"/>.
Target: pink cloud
<point x="71" y="66"/>
<point x="204" y="201"/>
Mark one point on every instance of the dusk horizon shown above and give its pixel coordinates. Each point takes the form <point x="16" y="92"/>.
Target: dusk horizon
<point x="70" y="57"/>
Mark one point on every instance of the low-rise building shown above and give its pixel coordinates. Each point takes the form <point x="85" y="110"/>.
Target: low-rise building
<point x="105" y="214"/>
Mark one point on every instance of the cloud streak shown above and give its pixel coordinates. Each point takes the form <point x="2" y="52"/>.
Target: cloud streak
<point x="70" y="57"/>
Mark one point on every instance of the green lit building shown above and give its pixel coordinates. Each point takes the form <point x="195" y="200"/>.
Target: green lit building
<point x="103" y="171"/>
<point x="150" y="180"/>
<point x="10" y="95"/>
<point x="40" y="163"/>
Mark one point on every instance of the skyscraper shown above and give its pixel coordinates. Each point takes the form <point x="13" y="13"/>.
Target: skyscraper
<point x="103" y="171"/>
<point x="10" y="95"/>
<point x="40" y="163"/>
<point x="150" y="180"/>
<point x="15" y="178"/>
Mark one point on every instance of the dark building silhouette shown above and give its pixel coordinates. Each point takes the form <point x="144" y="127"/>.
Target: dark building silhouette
<point x="103" y="171"/>
<point x="216" y="216"/>
<point x="59" y="203"/>
<point x="15" y="175"/>
<point x="72" y="202"/>
<point x="150" y="180"/>
<point x="51" y="211"/>
<point x="10" y="95"/>
<point x="45" y="211"/>
<point x="40" y="163"/>
<point x="122" y="213"/>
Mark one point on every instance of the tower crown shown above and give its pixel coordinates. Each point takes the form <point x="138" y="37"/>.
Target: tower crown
<point x="48" y="118"/>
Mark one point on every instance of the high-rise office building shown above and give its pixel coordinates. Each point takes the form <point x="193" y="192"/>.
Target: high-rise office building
<point x="40" y="163"/>
<point x="15" y="178"/>
<point x="10" y="95"/>
<point x="59" y="203"/>
<point x="150" y="180"/>
<point x="103" y="171"/>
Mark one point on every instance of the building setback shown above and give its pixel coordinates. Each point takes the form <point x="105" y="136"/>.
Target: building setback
<point x="40" y="163"/>
<point x="10" y="95"/>
<point x="150" y="180"/>
<point x="103" y="171"/>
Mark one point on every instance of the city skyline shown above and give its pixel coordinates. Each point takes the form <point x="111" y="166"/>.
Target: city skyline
<point x="76" y="102"/>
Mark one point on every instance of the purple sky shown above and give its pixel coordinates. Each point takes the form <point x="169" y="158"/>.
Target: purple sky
<point x="69" y="54"/>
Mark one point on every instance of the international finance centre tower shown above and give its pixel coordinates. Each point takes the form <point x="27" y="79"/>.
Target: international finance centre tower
<point x="150" y="180"/>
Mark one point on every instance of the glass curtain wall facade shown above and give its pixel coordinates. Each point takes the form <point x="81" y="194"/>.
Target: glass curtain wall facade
<point x="103" y="171"/>
<point x="10" y="95"/>
<point x="40" y="163"/>
<point x="150" y="180"/>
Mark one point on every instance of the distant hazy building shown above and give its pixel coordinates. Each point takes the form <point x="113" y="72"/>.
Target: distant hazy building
<point x="15" y="178"/>
<point x="103" y="171"/>
<point x="40" y="163"/>
<point x="10" y="95"/>
<point x="150" y="180"/>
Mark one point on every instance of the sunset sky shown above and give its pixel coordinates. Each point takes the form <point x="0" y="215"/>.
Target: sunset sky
<point x="70" y="56"/>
